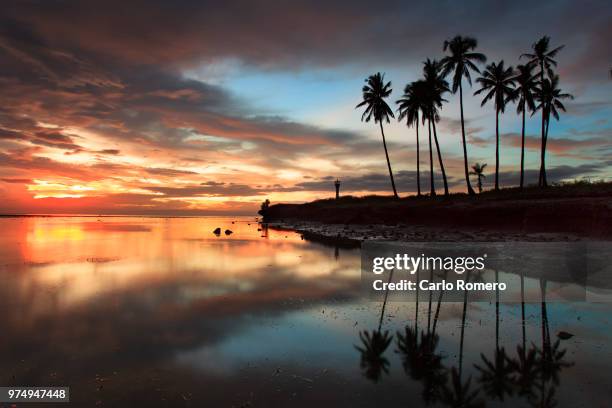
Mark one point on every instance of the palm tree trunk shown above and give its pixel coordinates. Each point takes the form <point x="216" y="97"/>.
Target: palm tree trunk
<point x="416" y="311"/>
<point x="432" y="191"/>
<point x="496" y="311"/>
<point x="437" y="315"/>
<point x="523" y="307"/>
<point x="496" y="149"/>
<point x="544" y="180"/>
<point x="418" y="158"/>
<point x="465" y="297"/>
<point x="541" y="182"/>
<point x="435" y="133"/>
<point x="465" y="159"/>
<point x="388" y="162"/>
<point x="523" y="149"/>
<point x="431" y="278"/>
<point x="384" y="305"/>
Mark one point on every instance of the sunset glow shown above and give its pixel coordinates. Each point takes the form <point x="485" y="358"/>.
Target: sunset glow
<point x="117" y="118"/>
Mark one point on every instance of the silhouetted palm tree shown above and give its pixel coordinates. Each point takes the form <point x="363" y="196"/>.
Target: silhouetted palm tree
<point x="411" y="104"/>
<point x="459" y="395"/>
<point x="478" y="171"/>
<point x="549" y="99"/>
<point x="499" y="82"/>
<point x="496" y="375"/>
<point x="543" y="57"/>
<point x="525" y="89"/>
<point x="526" y="370"/>
<point x="374" y="93"/>
<point x="436" y="87"/>
<point x="421" y="362"/>
<point x="372" y="349"/>
<point x="460" y="62"/>
<point x="374" y="345"/>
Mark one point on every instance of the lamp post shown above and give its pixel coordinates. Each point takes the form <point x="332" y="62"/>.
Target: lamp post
<point x="337" y="184"/>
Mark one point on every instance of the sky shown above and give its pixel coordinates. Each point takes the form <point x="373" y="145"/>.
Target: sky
<point x="200" y="107"/>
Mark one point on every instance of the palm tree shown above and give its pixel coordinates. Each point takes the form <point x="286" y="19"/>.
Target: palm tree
<point x="411" y="104"/>
<point x="525" y="88"/>
<point x="374" y="93"/>
<point x="372" y="348"/>
<point x="461" y="60"/>
<point x="544" y="58"/>
<point x="549" y="99"/>
<point x="496" y="375"/>
<point x="478" y="170"/>
<point x="499" y="82"/>
<point x="374" y="345"/>
<point x="459" y="394"/>
<point x="436" y="87"/>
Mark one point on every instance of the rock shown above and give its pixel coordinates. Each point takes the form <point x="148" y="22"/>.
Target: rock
<point x="564" y="335"/>
<point x="217" y="231"/>
<point x="228" y="232"/>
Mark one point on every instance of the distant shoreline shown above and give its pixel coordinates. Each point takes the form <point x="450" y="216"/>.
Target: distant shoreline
<point x="121" y="216"/>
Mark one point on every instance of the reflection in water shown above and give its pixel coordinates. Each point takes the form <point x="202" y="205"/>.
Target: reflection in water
<point x="161" y="312"/>
<point x="534" y="374"/>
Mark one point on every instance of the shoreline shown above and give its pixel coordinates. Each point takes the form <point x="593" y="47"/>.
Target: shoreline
<point x="562" y="213"/>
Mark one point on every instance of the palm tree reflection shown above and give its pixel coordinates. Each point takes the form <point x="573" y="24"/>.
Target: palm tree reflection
<point x="373" y="346"/>
<point x="532" y="374"/>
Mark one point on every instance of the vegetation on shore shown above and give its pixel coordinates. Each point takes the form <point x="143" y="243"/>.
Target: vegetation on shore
<point x="580" y="207"/>
<point x="533" y="87"/>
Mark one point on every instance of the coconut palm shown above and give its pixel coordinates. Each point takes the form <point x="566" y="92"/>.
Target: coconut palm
<point x="373" y="346"/>
<point x="526" y="370"/>
<point x="549" y="98"/>
<point x="436" y="87"/>
<point x="525" y="89"/>
<point x="543" y="57"/>
<point x="496" y="375"/>
<point x="460" y="62"/>
<point x="498" y="81"/>
<point x="478" y="171"/>
<point x="374" y="93"/>
<point x="459" y="394"/>
<point x="410" y="106"/>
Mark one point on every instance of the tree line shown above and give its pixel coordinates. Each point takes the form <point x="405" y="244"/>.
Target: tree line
<point x="532" y="86"/>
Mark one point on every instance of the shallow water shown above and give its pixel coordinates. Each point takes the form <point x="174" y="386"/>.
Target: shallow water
<point x="161" y="312"/>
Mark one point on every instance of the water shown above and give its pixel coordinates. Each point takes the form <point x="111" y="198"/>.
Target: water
<point x="161" y="312"/>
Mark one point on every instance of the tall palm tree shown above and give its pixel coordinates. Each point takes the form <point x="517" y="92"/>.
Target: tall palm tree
<point x="436" y="87"/>
<point x="374" y="93"/>
<point x="496" y="375"/>
<point x="549" y="99"/>
<point x="478" y="171"/>
<point x="460" y="62"/>
<point x="498" y="81"/>
<point x="411" y="104"/>
<point x="374" y="345"/>
<point x="525" y="89"/>
<point x="543" y="57"/>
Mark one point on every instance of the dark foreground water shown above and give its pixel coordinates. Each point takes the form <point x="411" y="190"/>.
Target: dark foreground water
<point x="147" y="312"/>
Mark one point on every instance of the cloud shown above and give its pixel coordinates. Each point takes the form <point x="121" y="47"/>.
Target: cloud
<point x="107" y="101"/>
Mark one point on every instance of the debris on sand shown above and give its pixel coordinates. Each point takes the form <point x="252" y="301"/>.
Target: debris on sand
<point x="228" y="232"/>
<point x="563" y="335"/>
<point x="217" y="231"/>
